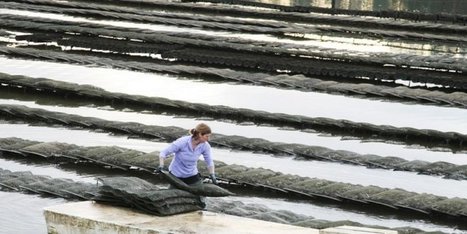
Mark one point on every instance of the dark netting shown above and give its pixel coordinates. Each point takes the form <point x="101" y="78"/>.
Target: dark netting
<point x="127" y="155"/>
<point x="388" y="161"/>
<point x="391" y="197"/>
<point x="49" y="149"/>
<point x="363" y="193"/>
<point x="336" y="189"/>
<point x="256" y="175"/>
<point x="438" y="168"/>
<point x="51" y="186"/>
<point x="415" y="165"/>
<point x="209" y="190"/>
<point x="98" y="153"/>
<point x="81" y="191"/>
<point x="390" y="59"/>
<point x="137" y="193"/>
<point x="145" y="160"/>
<point x="422" y="202"/>
<point x="458" y="173"/>
<point x="341" y="155"/>
<point x="232" y="170"/>
<point x="451" y="206"/>
<point x="168" y="133"/>
<point x="306" y="185"/>
<point x="281" y="180"/>
<point x="18" y="179"/>
<point x="285" y="183"/>
<point x="367" y="159"/>
<point x="130" y="184"/>
<point x="14" y="143"/>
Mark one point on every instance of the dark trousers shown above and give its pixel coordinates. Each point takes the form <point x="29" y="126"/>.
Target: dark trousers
<point x="193" y="181"/>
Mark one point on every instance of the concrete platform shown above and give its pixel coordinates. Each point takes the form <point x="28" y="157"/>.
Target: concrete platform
<point x="355" y="230"/>
<point x="90" y="217"/>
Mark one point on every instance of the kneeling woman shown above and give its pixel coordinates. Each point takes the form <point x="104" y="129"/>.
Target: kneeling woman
<point x="187" y="150"/>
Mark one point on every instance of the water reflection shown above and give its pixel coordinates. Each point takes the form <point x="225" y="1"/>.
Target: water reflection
<point x="324" y="39"/>
<point x="335" y="214"/>
<point x="426" y="6"/>
<point x="314" y="169"/>
<point x="22" y="213"/>
<point x="253" y="131"/>
<point x="258" y="98"/>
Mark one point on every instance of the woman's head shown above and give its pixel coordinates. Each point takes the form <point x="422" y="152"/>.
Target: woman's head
<point x="201" y="132"/>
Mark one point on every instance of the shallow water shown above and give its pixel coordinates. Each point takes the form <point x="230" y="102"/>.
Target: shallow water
<point x="348" y="43"/>
<point x="336" y="213"/>
<point x="17" y="207"/>
<point x="313" y="169"/>
<point x="247" y="96"/>
<point x="14" y="219"/>
<point x="252" y="131"/>
<point x="23" y="213"/>
<point x="428" y="6"/>
<point x="42" y="169"/>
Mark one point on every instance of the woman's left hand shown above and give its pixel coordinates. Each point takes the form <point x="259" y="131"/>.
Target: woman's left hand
<point x="213" y="178"/>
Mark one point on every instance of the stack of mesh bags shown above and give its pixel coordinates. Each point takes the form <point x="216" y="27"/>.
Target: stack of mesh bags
<point x="139" y="194"/>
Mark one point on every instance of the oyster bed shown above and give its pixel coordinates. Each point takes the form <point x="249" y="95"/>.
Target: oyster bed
<point x="412" y="58"/>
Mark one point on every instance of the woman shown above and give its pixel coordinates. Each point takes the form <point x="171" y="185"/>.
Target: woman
<point x="187" y="150"/>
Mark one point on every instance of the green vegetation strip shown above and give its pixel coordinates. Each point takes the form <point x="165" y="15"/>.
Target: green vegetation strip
<point x="396" y="199"/>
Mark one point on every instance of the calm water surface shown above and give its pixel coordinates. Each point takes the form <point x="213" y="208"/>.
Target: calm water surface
<point x="252" y="131"/>
<point x="349" y="44"/>
<point x="313" y="169"/>
<point x="246" y="96"/>
<point x="17" y="207"/>
<point x="22" y="213"/>
<point x="428" y="6"/>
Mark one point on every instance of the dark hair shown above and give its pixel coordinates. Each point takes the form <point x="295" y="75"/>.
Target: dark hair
<point x="201" y="128"/>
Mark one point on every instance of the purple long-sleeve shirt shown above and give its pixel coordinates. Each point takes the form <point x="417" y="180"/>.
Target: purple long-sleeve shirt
<point x="186" y="158"/>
